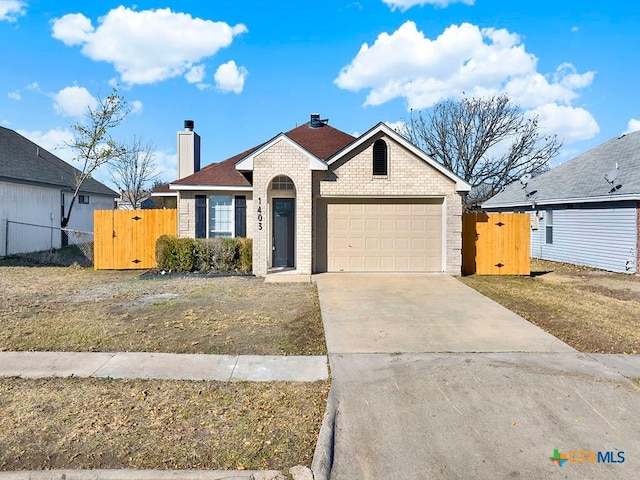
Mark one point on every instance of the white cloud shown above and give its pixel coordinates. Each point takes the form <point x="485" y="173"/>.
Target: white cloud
<point x="10" y="10"/>
<point x="53" y="140"/>
<point x="136" y="106"/>
<point x="463" y="58"/>
<point x="535" y="89"/>
<point x="146" y="46"/>
<point x="167" y="166"/>
<point x="570" y="123"/>
<point x="73" y="29"/>
<point x="230" y="78"/>
<point x="632" y="126"/>
<point x="73" y="101"/>
<point x="195" y="74"/>
<point x="575" y="29"/>
<point x="17" y="93"/>
<point x="404" y="5"/>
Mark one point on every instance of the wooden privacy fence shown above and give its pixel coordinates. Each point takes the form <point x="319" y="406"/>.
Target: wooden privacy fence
<point x="496" y="244"/>
<point x="126" y="239"/>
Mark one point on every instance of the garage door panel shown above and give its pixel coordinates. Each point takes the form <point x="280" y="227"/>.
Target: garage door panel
<point x="387" y="244"/>
<point x="383" y="209"/>
<point x="372" y="224"/>
<point x="355" y="225"/>
<point x="357" y="243"/>
<point x="403" y="225"/>
<point x="387" y="236"/>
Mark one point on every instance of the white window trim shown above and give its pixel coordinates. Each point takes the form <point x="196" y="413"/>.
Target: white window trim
<point x="233" y="214"/>
<point x="548" y="216"/>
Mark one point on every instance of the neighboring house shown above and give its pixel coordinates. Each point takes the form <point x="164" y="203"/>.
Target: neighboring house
<point x="585" y="211"/>
<point x="35" y="188"/>
<point x="124" y="202"/>
<point x="315" y="199"/>
<point x="162" y="197"/>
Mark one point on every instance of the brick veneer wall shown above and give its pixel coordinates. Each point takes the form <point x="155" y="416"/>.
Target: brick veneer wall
<point x="407" y="175"/>
<point x="281" y="159"/>
<point x="187" y="214"/>
<point x="187" y="210"/>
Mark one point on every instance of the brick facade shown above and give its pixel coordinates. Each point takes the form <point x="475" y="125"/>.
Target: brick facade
<point x="281" y="159"/>
<point x="407" y="176"/>
<point x="187" y="210"/>
<point x="187" y="214"/>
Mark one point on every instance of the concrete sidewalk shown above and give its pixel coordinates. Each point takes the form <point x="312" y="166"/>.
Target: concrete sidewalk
<point x="256" y="368"/>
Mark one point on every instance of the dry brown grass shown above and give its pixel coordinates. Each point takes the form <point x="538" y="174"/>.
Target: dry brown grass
<point x="77" y="309"/>
<point x="591" y="310"/>
<point x="140" y="424"/>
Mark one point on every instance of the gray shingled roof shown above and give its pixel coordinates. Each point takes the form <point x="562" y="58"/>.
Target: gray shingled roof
<point x="22" y="161"/>
<point x="582" y="178"/>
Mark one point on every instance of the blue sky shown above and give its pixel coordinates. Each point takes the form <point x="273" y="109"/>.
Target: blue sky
<point x="246" y="70"/>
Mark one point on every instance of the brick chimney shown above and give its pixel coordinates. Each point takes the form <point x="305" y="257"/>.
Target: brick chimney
<point x="188" y="151"/>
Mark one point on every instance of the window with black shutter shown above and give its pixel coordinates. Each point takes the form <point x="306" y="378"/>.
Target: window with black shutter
<point x="380" y="161"/>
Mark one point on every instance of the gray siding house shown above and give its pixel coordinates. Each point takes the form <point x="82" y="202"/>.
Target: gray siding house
<point x="35" y="187"/>
<point x="585" y="211"/>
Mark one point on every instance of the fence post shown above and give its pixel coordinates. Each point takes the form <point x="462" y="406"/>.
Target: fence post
<point x="6" y="237"/>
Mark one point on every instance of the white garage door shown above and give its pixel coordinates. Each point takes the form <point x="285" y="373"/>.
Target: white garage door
<point x="384" y="236"/>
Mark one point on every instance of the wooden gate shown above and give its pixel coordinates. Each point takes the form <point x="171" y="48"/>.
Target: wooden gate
<point x="496" y="244"/>
<point x="126" y="239"/>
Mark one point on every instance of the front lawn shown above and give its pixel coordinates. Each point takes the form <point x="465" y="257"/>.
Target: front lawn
<point x="591" y="310"/>
<point x="79" y="309"/>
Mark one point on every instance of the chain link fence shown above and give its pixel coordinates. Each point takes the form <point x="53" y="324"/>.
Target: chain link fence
<point x="45" y="243"/>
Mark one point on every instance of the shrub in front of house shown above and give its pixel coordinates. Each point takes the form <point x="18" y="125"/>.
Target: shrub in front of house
<point x="206" y="255"/>
<point x="246" y="254"/>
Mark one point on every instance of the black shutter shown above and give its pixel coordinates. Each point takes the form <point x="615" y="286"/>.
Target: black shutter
<point x="201" y="216"/>
<point x="241" y="216"/>
<point x="380" y="158"/>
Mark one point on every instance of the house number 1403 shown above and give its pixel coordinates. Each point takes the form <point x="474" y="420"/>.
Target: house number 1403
<point x="259" y="213"/>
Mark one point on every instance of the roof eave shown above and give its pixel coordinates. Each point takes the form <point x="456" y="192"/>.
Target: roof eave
<point x="246" y="164"/>
<point x="164" y="194"/>
<point x="559" y="201"/>
<point x="213" y="188"/>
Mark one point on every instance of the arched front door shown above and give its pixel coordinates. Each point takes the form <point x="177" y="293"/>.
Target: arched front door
<point x="284" y="215"/>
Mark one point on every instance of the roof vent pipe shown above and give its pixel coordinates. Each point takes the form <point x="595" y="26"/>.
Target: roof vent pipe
<point x="188" y="125"/>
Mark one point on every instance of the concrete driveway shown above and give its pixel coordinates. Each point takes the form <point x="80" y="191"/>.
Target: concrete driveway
<point x="433" y="380"/>
<point x="395" y="313"/>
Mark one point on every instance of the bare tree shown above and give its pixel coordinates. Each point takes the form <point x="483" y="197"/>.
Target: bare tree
<point x="489" y="142"/>
<point x="92" y="140"/>
<point x="134" y="170"/>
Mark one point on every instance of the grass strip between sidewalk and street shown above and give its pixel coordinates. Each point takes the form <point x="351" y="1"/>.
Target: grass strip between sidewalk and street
<point x="71" y="423"/>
